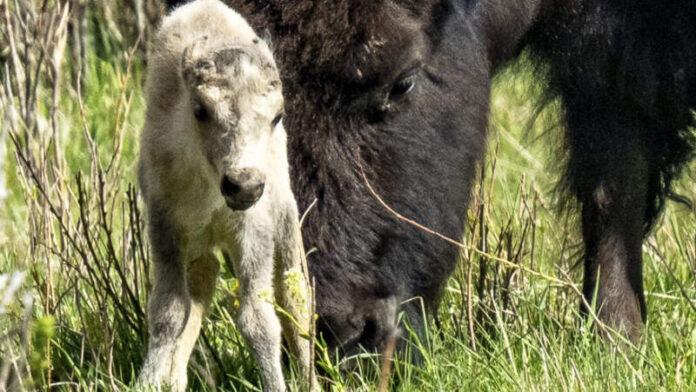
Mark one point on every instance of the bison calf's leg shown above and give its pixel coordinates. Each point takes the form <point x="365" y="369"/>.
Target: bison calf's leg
<point x="168" y="307"/>
<point x="200" y="279"/>
<point x="291" y="289"/>
<point x="175" y="313"/>
<point x="168" y="311"/>
<point x="611" y="175"/>
<point x="256" y="317"/>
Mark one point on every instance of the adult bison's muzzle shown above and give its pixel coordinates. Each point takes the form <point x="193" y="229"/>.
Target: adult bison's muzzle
<point x="369" y="326"/>
<point x="242" y="188"/>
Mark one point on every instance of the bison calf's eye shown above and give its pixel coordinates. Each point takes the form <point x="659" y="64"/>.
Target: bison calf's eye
<point x="402" y="87"/>
<point x="200" y="113"/>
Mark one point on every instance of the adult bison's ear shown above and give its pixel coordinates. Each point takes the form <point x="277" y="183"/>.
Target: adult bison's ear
<point x="196" y="66"/>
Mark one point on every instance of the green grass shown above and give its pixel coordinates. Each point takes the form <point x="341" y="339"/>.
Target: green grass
<point x="526" y="328"/>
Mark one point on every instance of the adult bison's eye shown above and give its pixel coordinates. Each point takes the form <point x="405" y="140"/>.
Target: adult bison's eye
<point x="276" y="120"/>
<point x="402" y="87"/>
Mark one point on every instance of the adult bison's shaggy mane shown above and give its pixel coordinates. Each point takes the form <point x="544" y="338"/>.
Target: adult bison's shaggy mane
<point x="631" y="57"/>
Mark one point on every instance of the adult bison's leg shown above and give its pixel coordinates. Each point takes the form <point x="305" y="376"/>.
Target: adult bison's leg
<point x="624" y="74"/>
<point x="610" y="173"/>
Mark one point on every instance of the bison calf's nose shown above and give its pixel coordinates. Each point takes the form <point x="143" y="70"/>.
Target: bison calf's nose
<point x="241" y="189"/>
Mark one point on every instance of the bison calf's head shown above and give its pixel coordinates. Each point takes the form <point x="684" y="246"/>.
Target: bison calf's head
<point x="235" y="103"/>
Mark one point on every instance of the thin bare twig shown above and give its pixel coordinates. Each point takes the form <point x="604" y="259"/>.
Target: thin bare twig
<point x="448" y="239"/>
<point x="674" y="277"/>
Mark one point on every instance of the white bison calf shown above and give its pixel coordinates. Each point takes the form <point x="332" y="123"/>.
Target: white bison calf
<point x="213" y="172"/>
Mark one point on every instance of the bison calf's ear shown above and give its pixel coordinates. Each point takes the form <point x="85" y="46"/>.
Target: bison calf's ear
<point x="196" y="67"/>
<point x="267" y="38"/>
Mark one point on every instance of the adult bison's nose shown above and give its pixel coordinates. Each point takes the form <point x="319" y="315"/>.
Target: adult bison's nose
<point x="369" y="327"/>
<point x="242" y="188"/>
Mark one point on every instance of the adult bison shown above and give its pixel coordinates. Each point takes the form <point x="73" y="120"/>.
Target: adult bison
<point x="407" y="82"/>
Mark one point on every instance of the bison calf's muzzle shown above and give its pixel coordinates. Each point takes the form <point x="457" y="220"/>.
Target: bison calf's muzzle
<point x="242" y="189"/>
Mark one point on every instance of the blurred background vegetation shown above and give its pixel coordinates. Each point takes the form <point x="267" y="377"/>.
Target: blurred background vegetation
<point x="74" y="258"/>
